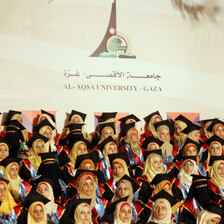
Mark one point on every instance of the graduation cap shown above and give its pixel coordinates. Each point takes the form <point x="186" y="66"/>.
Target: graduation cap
<point x="206" y="120"/>
<point x="183" y="119"/>
<point x="125" y="129"/>
<point x="160" y="177"/>
<point x="10" y="114"/>
<point x="43" y="123"/>
<point x="82" y="115"/>
<point x="49" y="114"/>
<point x="120" y="155"/>
<point x="113" y="205"/>
<point x="148" y="118"/>
<point x="73" y="205"/>
<point x="107" y="115"/>
<point x="164" y="195"/>
<point x="135" y="186"/>
<point x="75" y="127"/>
<point x="214" y="208"/>
<point x="147" y="153"/>
<point x="107" y="140"/>
<point x="74" y="137"/>
<point x="33" y="197"/>
<point x="2" y="140"/>
<point x="214" y="122"/>
<point x="189" y="158"/>
<point x="15" y="124"/>
<point x="199" y="190"/>
<point x="5" y="162"/>
<point x="151" y="139"/>
<point x="214" y="138"/>
<point x="106" y="124"/>
<point x="4" y="180"/>
<point x="189" y="142"/>
<point x="190" y="128"/>
<point x="128" y="117"/>
<point x="50" y="181"/>
<point x="215" y="158"/>
<point x="36" y="136"/>
<point x="166" y="123"/>
<point x="46" y="156"/>
<point x="94" y="156"/>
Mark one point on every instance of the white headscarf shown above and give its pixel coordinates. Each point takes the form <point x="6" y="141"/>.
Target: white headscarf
<point x="205" y="215"/>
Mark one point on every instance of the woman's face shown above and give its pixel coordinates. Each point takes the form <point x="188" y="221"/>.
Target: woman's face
<point x="3" y="151"/>
<point x="38" y="213"/>
<point x="190" y="151"/>
<point x="85" y="215"/>
<point x="48" y="133"/>
<point x="196" y="136"/>
<point x="165" y="135"/>
<point x="106" y="132"/>
<point x="219" y="131"/>
<point x="118" y="170"/>
<point x="168" y="189"/>
<point x="213" y="221"/>
<point x="134" y="136"/>
<point x="157" y="163"/>
<point x="76" y="120"/>
<point x="125" y="213"/>
<point x="123" y="191"/>
<point x="87" y="187"/>
<point x="82" y="149"/>
<point x="112" y="149"/>
<point x="14" y="171"/>
<point x="160" y="211"/>
<point x="220" y="169"/>
<point x="215" y="149"/>
<point x="178" y="129"/>
<point x="188" y="167"/>
<point x="3" y="192"/>
<point x="40" y="147"/>
<point x="43" y="189"/>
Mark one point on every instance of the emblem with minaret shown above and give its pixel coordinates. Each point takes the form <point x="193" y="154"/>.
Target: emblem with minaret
<point x="113" y="44"/>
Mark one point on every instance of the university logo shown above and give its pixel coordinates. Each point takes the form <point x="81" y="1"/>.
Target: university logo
<point x="113" y="45"/>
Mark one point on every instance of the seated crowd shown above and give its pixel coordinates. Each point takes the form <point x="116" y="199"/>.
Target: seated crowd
<point x="172" y="172"/>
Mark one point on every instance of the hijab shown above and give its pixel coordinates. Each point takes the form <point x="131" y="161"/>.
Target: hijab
<point x="30" y="219"/>
<point x="206" y="215"/>
<point x="150" y="125"/>
<point x="124" y="165"/>
<point x="185" y="177"/>
<point x="14" y="184"/>
<point x="167" y="219"/>
<point x="166" y="147"/>
<point x="50" y="142"/>
<point x="78" y="211"/>
<point x="73" y="153"/>
<point x="105" y="151"/>
<point x="80" y="182"/>
<point x="118" y="208"/>
<point x="51" y="206"/>
<point x="130" y="188"/>
<point x="8" y="204"/>
<point x="34" y="158"/>
<point x="215" y="177"/>
<point x="149" y="170"/>
<point x="180" y="139"/>
<point x="135" y="147"/>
